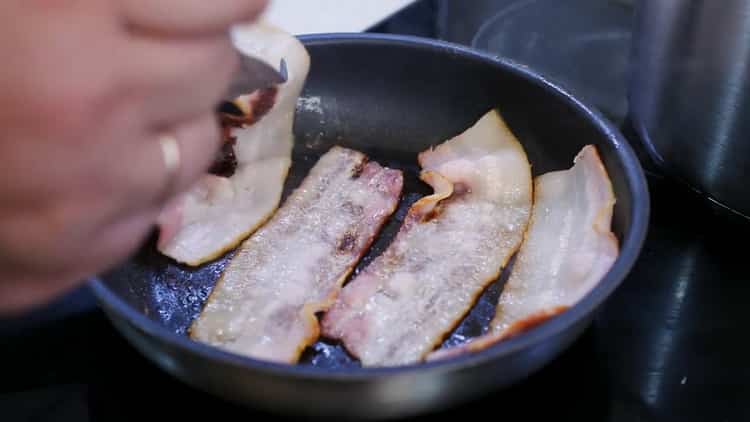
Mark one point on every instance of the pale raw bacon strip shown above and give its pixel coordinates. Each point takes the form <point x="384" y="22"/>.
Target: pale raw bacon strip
<point x="265" y="303"/>
<point x="568" y="249"/>
<point x="220" y="212"/>
<point x="451" y="246"/>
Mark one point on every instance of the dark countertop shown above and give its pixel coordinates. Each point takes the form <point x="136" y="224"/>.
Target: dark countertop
<point x="667" y="346"/>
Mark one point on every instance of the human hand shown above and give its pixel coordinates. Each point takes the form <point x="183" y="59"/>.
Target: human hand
<point x="87" y="88"/>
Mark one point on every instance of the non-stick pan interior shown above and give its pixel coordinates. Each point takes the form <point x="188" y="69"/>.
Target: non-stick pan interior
<point x="391" y="101"/>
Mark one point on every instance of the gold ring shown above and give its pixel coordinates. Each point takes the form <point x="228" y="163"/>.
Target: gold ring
<point x="170" y="151"/>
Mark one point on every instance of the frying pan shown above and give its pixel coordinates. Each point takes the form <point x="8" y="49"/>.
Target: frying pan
<point x="390" y="97"/>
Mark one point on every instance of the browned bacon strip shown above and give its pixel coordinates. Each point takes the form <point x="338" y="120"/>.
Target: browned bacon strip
<point x="568" y="249"/>
<point x="244" y="188"/>
<point x="264" y="306"/>
<point x="451" y="246"/>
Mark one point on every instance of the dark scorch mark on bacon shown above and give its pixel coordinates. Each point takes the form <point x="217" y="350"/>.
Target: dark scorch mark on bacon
<point x="359" y="168"/>
<point x="256" y="105"/>
<point x="353" y="209"/>
<point x="347" y="243"/>
<point x="236" y="115"/>
<point x="226" y="161"/>
<point x="263" y="104"/>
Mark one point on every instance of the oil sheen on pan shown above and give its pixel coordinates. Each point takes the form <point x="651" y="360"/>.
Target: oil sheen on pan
<point x="569" y="247"/>
<point x="451" y="246"/>
<point x="265" y="304"/>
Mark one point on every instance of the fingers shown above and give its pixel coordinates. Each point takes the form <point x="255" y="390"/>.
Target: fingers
<point x="176" y="80"/>
<point x="109" y="220"/>
<point x="138" y="178"/>
<point x="189" y="16"/>
<point x="45" y="280"/>
<point x="198" y="141"/>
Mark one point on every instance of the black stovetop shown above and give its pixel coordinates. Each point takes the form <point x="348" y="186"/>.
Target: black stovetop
<point x="669" y="345"/>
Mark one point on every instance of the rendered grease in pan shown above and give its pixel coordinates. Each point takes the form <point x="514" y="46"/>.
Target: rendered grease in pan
<point x="175" y="294"/>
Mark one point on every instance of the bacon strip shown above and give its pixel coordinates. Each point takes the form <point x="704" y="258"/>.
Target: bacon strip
<point x="243" y="111"/>
<point x="568" y="249"/>
<point x="451" y="246"/>
<point x="224" y="208"/>
<point x="265" y="303"/>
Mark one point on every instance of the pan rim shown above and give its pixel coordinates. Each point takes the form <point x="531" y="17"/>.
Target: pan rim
<point x="630" y="246"/>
